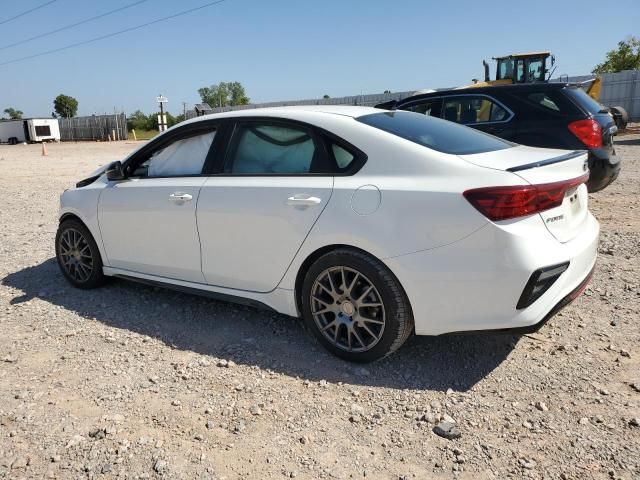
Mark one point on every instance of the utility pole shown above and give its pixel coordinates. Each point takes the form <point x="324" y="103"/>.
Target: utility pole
<point x="184" y="110"/>
<point x="162" y="120"/>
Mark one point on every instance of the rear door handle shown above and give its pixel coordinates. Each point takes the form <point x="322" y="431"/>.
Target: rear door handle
<point x="303" y="201"/>
<point x="179" y="197"/>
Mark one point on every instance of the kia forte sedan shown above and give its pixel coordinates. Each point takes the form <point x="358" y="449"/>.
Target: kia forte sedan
<point x="369" y="224"/>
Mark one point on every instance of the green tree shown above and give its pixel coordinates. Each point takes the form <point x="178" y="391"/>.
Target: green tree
<point x="224" y="94"/>
<point x="625" y="57"/>
<point x="65" y="106"/>
<point x="137" y="121"/>
<point x="326" y="96"/>
<point x="387" y="91"/>
<point x="13" y="113"/>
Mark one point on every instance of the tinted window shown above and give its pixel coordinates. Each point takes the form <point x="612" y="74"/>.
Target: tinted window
<point x="180" y="158"/>
<point x="343" y="157"/>
<point x="428" y="107"/>
<point x="435" y="133"/>
<point x="543" y="100"/>
<point x="269" y="149"/>
<point x="469" y="110"/>
<point x="43" y="131"/>
<point x="585" y="101"/>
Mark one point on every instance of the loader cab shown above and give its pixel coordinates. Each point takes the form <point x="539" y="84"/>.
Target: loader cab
<point x="525" y="67"/>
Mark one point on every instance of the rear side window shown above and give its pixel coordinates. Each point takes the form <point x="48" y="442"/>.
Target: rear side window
<point x="435" y="133"/>
<point x="543" y="100"/>
<point x="469" y="110"/>
<point x="585" y="101"/>
<point x="270" y="149"/>
<point x="343" y="157"/>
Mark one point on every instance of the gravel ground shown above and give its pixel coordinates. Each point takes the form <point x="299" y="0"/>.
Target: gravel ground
<point x="129" y="381"/>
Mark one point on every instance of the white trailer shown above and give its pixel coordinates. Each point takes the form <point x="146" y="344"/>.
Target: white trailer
<point x="29" y="130"/>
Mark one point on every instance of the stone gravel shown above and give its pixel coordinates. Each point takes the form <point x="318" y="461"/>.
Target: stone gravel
<point x="129" y="381"/>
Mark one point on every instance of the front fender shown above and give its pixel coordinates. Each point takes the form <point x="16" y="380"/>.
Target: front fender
<point x="83" y="204"/>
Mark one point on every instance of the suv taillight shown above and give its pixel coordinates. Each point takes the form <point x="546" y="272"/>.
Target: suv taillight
<point x="502" y="203"/>
<point x="588" y="132"/>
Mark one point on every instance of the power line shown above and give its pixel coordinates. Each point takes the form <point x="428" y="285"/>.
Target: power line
<point x="28" y="11"/>
<point x="66" y="27"/>
<point x="113" y="34"/>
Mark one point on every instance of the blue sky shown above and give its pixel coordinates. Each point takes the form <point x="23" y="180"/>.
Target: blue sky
<point x="287" y="49"/>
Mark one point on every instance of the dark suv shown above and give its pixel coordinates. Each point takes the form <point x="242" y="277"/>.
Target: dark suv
<point x="551" y="115"/>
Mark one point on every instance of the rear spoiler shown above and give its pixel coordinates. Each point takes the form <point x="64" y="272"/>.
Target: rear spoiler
<point x="549" y="161"/>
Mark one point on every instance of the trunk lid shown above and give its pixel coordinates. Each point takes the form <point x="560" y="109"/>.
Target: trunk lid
<point x="542" y="166"/>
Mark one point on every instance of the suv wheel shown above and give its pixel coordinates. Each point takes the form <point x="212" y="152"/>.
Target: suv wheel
<point x="355" y="306"/>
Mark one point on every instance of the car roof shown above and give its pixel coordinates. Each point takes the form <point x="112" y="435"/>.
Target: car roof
<point x="297" y="112"/>
<point x="537" y="87"/>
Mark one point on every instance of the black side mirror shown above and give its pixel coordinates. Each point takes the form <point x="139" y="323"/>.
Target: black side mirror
<point x="115" y="171"/>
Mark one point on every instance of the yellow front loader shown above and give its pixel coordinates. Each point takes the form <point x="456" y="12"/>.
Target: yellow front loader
<point x="536" y="67"/>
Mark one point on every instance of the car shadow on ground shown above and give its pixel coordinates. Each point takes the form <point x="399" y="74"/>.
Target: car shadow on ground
<point x="266" y="339"/>
<point x="627" y="141"/>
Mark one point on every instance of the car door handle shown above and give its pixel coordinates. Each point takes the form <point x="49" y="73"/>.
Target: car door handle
<point x="303" y="201"/>
<point x="180" y="197"/>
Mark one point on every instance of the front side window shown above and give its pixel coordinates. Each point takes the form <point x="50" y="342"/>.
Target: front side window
<point x="270" y="149"/>
<point x="180" y="158"/>
<point x="435" y="133"/>
<point x="469" y="110"/>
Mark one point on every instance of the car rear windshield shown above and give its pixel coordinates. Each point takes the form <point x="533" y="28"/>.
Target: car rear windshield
<point x="440" y="135"/>
<point x="585" y="101"/>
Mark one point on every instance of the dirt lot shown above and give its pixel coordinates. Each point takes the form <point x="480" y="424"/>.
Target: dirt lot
<point x="135" y="382"/>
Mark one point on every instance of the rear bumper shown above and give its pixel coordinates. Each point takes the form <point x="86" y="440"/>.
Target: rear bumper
<point x="475" y="284"/>
<point x="575" y="293"/>
<point x="604" y="168"/>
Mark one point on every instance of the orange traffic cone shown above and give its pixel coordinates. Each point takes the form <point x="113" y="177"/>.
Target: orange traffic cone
<point x="44" y="149"/>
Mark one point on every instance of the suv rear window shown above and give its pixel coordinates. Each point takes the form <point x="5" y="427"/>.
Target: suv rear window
<point x="440" y="135"/>
<point x="585" y="101"/>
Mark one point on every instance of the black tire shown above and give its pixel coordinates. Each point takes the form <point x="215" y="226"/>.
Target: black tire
<point x="89" y="274"/>
<point x="620" y="117"/>
<point x="396" y="311"/>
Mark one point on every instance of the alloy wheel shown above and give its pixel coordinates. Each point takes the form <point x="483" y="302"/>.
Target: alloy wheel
<point x="75" y="254"/>
<point x="348" y="309"/>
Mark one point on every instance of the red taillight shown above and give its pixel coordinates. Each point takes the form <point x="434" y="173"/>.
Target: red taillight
<point x="588" y="132"/>
<point x="502" y="203"/>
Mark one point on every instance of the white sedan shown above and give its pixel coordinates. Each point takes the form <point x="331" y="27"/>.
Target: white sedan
<point x="369" y="224"/>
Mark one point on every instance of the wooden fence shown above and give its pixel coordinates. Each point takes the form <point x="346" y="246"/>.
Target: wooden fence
<point x="94" y="127"/>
